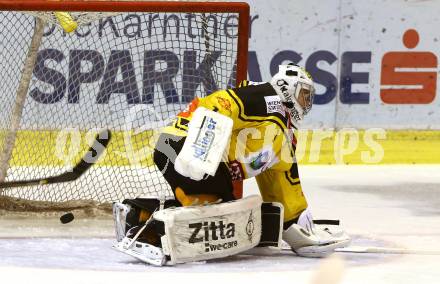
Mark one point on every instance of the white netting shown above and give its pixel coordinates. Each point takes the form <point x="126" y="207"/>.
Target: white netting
<point x="129" y="72"/>
<point x="81" y="18"/>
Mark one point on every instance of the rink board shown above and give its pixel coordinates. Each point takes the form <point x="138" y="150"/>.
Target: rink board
<point x="344" y="146"/>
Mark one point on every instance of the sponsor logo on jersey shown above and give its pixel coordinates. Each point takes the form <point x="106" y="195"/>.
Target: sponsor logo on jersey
<point x="259" y="161"/>
<point x="273" y="105"/>
<point x="236" y="170"/>
<point x="212" y="232"/>
<point x="205" y="138"/>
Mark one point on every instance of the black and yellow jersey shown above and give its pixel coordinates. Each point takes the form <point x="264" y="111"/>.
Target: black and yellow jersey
<point x="262" y="143"/>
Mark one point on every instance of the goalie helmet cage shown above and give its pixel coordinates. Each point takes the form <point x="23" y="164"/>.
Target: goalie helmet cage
<point x="129" y="66"/>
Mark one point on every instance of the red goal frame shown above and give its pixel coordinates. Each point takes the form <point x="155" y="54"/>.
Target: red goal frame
<point x="241" y="8"/>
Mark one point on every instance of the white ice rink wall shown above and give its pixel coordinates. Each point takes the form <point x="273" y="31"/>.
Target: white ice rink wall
<point x="375" y="64"/>
<point x="366" y="75"/>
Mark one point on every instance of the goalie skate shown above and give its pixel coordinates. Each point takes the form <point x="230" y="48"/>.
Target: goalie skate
<point x="142" y="251"/>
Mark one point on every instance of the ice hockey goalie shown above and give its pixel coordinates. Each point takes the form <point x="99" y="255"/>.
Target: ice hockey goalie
<point x="230" y="135"/>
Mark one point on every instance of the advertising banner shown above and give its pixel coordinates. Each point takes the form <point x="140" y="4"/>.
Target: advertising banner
<point x="375" y="63"/>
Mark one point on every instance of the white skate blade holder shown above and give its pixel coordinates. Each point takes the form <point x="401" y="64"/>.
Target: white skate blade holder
<point x="319" y="251"/>
<point x="142" y="251"/>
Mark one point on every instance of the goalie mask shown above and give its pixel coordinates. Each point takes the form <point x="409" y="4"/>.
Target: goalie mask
<point x="294" y="85"/>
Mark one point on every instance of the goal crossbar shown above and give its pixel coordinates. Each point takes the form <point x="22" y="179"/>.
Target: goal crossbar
<point x="151" y="6"/>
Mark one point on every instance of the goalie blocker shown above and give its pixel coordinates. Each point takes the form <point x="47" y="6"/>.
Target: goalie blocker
<point x="184" y="234"/>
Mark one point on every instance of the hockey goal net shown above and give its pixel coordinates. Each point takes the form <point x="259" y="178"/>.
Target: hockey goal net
<point x="128" y="67"/>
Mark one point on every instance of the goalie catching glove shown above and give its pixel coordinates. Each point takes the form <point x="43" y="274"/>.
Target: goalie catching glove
<point x="310" y="240"/>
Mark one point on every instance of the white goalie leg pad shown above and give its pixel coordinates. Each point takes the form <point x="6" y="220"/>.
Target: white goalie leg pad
<point x="208" y="136"/>
<point x="271" y="230"/>
<point x="308" y="240"/>
<point x="210" y="231"/>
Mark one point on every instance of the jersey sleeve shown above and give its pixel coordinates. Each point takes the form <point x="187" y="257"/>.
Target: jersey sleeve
<point x="219" y="101"/>
<point x="283" y="187"/>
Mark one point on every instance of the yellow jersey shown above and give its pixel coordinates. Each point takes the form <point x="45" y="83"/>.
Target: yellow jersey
<point x="262" y="143"/>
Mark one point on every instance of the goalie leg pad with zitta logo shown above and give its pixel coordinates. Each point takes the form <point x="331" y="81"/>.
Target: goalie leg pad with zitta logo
<point x="272" y="224"/>
<point x="271" y="229"/>
<point x="196" y="233"/>
<point x="201" y="233"/>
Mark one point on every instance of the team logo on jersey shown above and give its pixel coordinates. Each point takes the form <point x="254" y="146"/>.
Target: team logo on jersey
<point x="224" y="103"/>
<point x="273" y="105"/>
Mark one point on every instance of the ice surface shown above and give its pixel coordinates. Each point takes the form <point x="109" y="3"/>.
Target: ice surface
<point x="395" y="206"/>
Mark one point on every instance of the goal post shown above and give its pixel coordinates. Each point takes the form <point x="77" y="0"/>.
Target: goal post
<point x="22" y="90"/>
<point x="129" y="66"/>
